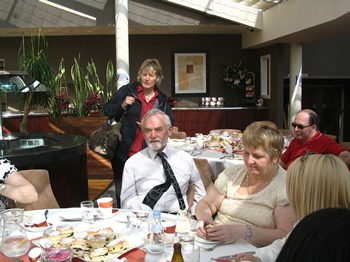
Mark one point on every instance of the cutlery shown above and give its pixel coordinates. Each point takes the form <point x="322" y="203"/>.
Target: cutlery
<point x="231" y="257"/>
<point x="128" y="221"/>
<point x="219" y="244"/>
<point x="226" y="156"/>
<point x="73" y="219"/>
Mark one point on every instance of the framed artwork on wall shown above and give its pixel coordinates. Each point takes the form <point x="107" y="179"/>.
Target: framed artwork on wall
<point x="189" y="70"/>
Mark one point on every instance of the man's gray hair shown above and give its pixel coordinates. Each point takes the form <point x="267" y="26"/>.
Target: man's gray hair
<point x="154" y="112"/>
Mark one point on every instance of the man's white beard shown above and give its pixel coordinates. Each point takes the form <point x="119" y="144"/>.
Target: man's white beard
<point x="156" y="146"/>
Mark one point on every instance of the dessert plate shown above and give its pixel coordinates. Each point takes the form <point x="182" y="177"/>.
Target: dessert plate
<point x="123" y="217"/>
<point x="38" y="229"/>
<point x="99" y="215"/>
<point x="204" y="241"/>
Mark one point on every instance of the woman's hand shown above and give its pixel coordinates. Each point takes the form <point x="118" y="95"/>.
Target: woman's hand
<point x="226" y="232"/>
<point x="129" y="101"/>
<point x="247" y="257"/>
<point x="201" y="230"/>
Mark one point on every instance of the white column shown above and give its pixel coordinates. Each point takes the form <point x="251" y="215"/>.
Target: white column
<point x="122" y="41"/>
<point x="295" y="83"/>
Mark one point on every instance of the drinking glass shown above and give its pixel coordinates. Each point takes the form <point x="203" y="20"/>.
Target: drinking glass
<point x="87" y="212"/>
<point x="190" y="252"/>
<point x="183" y="224"/>
<point x="214" y="140"/>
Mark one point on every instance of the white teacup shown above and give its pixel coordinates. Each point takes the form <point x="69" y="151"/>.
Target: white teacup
<point x="105" y="205"/>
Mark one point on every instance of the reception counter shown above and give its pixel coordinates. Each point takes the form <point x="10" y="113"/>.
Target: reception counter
<point x="63" y="155"/>
<point x="194" y="120"/>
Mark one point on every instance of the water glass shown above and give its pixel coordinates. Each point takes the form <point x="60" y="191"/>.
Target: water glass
<point x="87" y="212"/>
<point x="190" y="252"/>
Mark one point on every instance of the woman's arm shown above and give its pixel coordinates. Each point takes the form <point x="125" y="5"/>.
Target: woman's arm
<point x="20" y="189"/>
<point x="206" y="208"/>
<point x="284" y="219"/>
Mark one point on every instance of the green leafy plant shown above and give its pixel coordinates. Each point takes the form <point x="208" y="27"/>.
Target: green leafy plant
<point x="33" y="60"/>
<point x="235" y="75"/>
<point x="59" y="100"/>
<point x="90" y="94"/>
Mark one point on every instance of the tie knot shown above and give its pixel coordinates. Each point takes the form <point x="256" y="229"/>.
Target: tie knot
<point x="161" y="155"/>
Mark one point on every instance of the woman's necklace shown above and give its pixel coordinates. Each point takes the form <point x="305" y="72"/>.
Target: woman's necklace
<point x="149" y="96"/>
<point x="264" y="186"/>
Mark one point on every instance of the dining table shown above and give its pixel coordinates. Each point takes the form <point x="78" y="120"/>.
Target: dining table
<point x="218" y="159"/>
<point x="122" y="228"/>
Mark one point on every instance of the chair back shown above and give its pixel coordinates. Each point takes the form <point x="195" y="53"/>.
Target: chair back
<point x="346" y="145"/>
<point x="332" y="137"/>
<point x="207" y="178"/>
<point x="285" y="132"/>
<point x="40" y="179"/>
<point x="178" y="134"/>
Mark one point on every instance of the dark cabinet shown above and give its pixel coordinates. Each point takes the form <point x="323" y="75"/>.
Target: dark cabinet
<point x="194" y="121"/>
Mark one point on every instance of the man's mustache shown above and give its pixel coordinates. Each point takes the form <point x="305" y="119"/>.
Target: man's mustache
<point x="154" y="140"/>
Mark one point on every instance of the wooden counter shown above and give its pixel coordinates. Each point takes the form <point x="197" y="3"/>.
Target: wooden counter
<point x="203" y="119"/>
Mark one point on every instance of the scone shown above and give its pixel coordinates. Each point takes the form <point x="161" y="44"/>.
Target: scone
<point x="79" y="247"/>
<point x="107" y="232"/>
<point x="117" y="245"/>
<point x="80" y="235"/>
<point x="93" y="230"/>
<point x="96" y="241"/>
<point x="65" y="230"/>
<point x="53" y="235"/>
<point x="66" y="241"/>
<point x="99" y="254"/>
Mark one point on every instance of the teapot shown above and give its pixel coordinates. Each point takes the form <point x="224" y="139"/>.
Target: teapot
<point x="15" y="241"/>
<point x="154" y="253"/>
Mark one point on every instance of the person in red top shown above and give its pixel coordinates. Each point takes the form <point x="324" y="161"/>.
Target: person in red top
<point x="309" y="138"/>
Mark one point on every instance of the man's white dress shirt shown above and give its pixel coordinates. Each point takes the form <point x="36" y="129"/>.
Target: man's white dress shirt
<point x="144" y="170"/>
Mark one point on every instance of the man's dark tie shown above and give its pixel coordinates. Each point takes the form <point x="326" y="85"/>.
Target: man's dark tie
<point x="156" y="192"/>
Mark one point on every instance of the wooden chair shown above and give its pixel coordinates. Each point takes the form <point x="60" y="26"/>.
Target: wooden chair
<point x="41" y="181"/>
<point x="230" y="131"/>
<point x="178" y="134"/>
<point x="332" y="137"/>
<point x="346" y="145"/>
<point x="285" y="132"/>
<point x="207" y="178"/>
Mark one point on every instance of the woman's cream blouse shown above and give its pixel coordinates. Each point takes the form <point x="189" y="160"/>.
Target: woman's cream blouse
<point x="255" y="209"/>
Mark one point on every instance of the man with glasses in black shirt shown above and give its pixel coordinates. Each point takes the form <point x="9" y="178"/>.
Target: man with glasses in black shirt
<point x="308" y="137"/>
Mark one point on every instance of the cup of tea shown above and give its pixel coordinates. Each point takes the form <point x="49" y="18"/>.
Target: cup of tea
<point x="105" y="205"/>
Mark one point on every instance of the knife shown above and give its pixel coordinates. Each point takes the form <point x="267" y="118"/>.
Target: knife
<point x="232" y="257"/>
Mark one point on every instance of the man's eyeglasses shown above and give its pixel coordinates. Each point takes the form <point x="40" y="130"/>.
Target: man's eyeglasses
<point x="306" y="154"/>
<point x="301" y="127"/>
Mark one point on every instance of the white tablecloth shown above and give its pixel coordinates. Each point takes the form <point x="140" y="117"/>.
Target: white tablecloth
<point x="217" y="164"/>
<point x="119" y="227"/>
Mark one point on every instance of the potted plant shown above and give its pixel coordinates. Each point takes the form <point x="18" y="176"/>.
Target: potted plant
<point x="33" y="60"/>
<point x="234" y="77"/>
